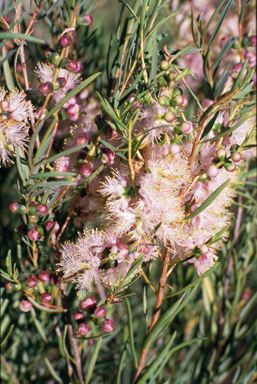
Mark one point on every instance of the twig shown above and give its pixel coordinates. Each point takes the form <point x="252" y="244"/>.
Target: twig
<point x="68" y="217"/>
<point x="157" y="310"/>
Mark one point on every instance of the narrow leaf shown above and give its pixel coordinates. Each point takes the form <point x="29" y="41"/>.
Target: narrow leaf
<point x="93" y="361"/>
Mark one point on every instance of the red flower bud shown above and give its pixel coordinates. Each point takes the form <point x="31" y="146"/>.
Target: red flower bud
<point x="44" y="276"/>
<point x="33" y="234"/>
<point x="88" y="304"/>
<point x="45" y="88"/>
<point x="46" y="297"/>
<point x="99" y="312"/>
<point x="83" y="329"/>
<point x="50" y="224"/>
<point x="31" y="281"/>
<point x="65" y="41"/>
<point x="25" y="306"/>
<point x="78" y="316"/>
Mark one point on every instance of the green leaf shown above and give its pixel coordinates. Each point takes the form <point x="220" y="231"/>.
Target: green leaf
<point x="7" y="71"/>
<point x="93" y="361"/>
<point x="32" y="141"/>
<point x="246" y="117"/>
<point x="52" y="371"/>
<point x="196" y="281"/>
<point x="157" y="361"/>
<point x="64" y="345"/>
<point x="169" y="315"/>
<point x="210" y="125"/>
<point x="228" y="44"/>
<point x="219" y="22"/>
<point x="131" y="333"/>
<point x="9" y="262"/>
<point x="240" y="75"/>
<point x="135" y="265"/>
<point x="170" y="353"/>
<point x="120" y="366"/>
<point x="154" y="62"/>
<point x="208" y="201"/>
<point x="10" y="35"/>
<point x="50" y="184"/>
<point x="134" y="84"/>
<point x="72" y="93"/>
<point x="113" y="149"/>
<point x="245" y="91"/>
<point x="37" y="323"/>
<point x="80" y="187"/>
<point x="9" y="9"/>
<point x="153" y="32"/>
<point x="67" y="152"/>
<point x="131" y="10"/>
<point x="43" y="308"/>
<point x="217" y="235"/>
<point x="44" y="175"/>
<point x="213" y="16"/>
<point x="8" y="333"/>
<point x="5" y="275"/>
<point x="143" y="13"/>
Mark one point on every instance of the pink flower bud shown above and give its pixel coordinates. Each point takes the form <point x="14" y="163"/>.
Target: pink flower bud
<point x="99" y="312"/>
<point x="187" y="127"/>
<point x="45" y="88"/>
<point x="121" y="250"/>
<point x="253" y="40"/>
<point x="85" y="170"/>
<point x="33" y="234"/>
<point x="50" y="224"/>
<point x="212" y="171"/>
<point x="169" y="117"/>
<point x="38" y="112"/>
<point x="204" y="249"/>
<point x="86" y="20"/>
<point x="83" y="329"/>
<point x="252" y="59"/>
<point x="78" y="316"/>
<point x="72" y="66"/>
<point x="42" y="209"/>
<point x="14" y="206"/>
<point x="73" y="100"/>
<point x="236" y="69"/>
<point x="80" y="141"/>
<point x="223" y="41"/>
<point x="245" y="296"/>
<point x="178" y="100"/>
<point x="61" y="81"/>
<point x="25" y="306"/>
<point x="73" y="110"/>
<point x="84" y="94"/>
<point x="31" y="281"/>
<point x="79" y="66"/>
<point x="112" y="133"/>
<point x="91" y="342"/>
<point x="88" y="304"/>
<point x="46" y="297"/>
<point x="108" y="156"/>
<point x="108" y="326"/>
<point x="8" y="286"/>
<point x="185" y="102"/>
<point x="65" y="41"/>
<point x="175" y="148"/>
<point x="44" y="276"/>
<point x="116" y="300"/>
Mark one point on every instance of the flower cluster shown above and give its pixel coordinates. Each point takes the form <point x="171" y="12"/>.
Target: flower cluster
<point x="14" y="113"/>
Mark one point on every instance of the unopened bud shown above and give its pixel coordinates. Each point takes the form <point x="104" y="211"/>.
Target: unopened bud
<point x="164" y="65"/>
<point x="33" y="234"/>
<point x="25" y="306"/>
<point x="187" y="127"/>
<point x="164" y="101"/>
<point x="78" y="316"/>
<point x="85" y="170"/>
<point x="204" y="249"/>
<point x="44" y="276"/>
<point x="236" y="156"/>
<point x="108" y="326"/>
<point x="46" y="297"/>
<point x="83" y="329"/>
<point x="85" y="20"/>
<point x="50" y="224"/>
<point x="99" y="312"/>
<point x="65" y="41"/>
<point x="88" y="304"/>
<point x="31" y="281"/>
<point x="221" y="154"/>
<point x="230" y="166"/>
<point x="45" y="88"/>
<point x="169" y="117"/>
<point x="80" y="141"/>
<point x="223" y="41"/>
<point x="212" y="171"/>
